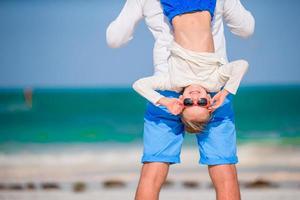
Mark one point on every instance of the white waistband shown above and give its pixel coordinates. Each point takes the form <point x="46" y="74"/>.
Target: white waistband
<point x="194" y="56"/>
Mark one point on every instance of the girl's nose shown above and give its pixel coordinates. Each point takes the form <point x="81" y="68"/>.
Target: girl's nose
<point x="195" y="100"/>
<point x="194" y="97"/>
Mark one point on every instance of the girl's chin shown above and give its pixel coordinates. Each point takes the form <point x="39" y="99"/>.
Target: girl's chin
<point x="195" y="87"/>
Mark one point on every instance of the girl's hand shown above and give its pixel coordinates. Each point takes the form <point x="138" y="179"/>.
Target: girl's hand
<point x="174" y="105"/>
<point x="218" y="99"/>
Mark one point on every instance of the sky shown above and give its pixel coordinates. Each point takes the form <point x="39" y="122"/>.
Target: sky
<point x="61" y="43"/>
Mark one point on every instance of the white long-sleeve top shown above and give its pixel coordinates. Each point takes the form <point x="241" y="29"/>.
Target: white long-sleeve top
<point x="188" y="67"/>
<point x="121" y="30"/>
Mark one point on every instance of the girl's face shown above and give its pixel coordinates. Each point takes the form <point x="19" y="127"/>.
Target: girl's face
<point x="195" y="92"/>
<point x="195" y="112"/>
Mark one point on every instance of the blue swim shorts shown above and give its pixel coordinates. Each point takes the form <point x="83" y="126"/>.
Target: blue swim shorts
<point x="173" y="8"/>
<point x="164" y="134"/>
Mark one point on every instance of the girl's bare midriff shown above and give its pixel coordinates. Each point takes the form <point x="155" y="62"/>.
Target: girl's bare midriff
<point x="192" y="31"/>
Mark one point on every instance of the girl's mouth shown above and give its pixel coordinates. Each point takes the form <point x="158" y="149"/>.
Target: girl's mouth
<point x="195" y="92"/>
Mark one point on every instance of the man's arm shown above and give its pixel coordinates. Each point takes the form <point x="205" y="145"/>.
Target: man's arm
<point x="239" y="20"/>
<point x="120" y="31"/>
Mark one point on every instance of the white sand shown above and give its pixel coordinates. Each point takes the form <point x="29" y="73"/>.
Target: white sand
<point x="273" y="194"/>
<point x="88" y="164"/>
<point x="276" y="164"/>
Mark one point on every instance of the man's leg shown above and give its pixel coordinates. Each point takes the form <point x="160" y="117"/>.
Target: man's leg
<point x="225" y="181"/>
<point x="153" y="175"/>
<point x="162" y="139"/>
<point x="217" y="145"/>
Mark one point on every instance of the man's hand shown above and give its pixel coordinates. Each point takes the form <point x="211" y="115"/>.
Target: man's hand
<point x="174" y="105"/>
<point x="218" y="99"/>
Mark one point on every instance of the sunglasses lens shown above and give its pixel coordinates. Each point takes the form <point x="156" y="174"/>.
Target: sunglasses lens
<point x="202" y="102"/>
<point x="188" y="102"/>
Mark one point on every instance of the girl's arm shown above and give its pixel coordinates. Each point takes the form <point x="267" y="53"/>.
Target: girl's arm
<point x="147" y="86"/>
<point x="234" y="71"/>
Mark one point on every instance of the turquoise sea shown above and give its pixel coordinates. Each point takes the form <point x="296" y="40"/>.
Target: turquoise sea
<point x="263" y="114"/>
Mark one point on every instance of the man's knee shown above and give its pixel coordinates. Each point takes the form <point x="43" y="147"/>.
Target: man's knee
<point x="223" y="174"/>
<point x="154" y="173"/>
<point x="224" y="178"/>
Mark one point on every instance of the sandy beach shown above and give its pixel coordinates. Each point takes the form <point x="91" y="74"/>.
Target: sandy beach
<point x="125" y="194"/>
<point x="265" y="171"/>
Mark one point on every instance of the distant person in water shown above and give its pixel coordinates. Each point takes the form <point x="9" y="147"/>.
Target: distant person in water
<point x="164" y="132"/>
<point x="28" y="96"/>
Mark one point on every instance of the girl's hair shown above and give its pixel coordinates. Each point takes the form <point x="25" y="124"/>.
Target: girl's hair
<point x="195" y="126"/>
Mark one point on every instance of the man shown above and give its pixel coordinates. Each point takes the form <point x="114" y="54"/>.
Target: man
<point x="163" y="132"/>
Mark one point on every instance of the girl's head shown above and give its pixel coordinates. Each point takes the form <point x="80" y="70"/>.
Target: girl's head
<point x="196" y="112"/>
